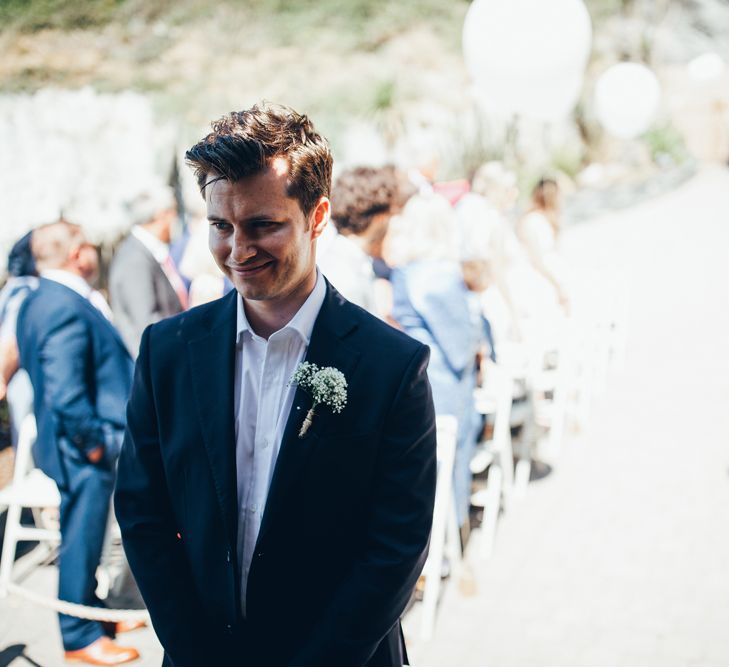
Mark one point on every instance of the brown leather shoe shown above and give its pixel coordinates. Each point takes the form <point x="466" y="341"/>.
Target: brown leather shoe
<point x="114" y="629"/>
<point x="128" y="626"/>
<point x="103" y="652"/>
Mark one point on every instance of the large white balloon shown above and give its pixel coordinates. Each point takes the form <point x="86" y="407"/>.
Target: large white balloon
<point x="708" y="67"/>
<point x="527" y="57"/>
<point x="626" y="99"/>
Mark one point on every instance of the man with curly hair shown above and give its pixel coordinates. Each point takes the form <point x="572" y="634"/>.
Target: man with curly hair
<point x="363" y="200"/>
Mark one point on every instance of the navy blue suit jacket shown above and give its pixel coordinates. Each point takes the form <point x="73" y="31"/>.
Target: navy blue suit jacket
<point x="345" y="529"/>
<point x="81" y="374"/>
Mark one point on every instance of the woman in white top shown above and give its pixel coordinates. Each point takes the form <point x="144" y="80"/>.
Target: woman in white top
<point x="539" y="231"/>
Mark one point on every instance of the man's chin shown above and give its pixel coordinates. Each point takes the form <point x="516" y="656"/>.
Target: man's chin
<point x="252" y="292"/>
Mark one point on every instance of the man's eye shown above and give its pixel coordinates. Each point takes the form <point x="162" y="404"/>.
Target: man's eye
<point x="221" y="226"/>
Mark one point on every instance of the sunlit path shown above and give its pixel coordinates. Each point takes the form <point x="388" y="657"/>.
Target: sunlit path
<point x="620" y="556"/>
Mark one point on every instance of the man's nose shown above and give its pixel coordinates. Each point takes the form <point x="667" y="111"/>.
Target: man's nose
<point x="243" y="248"/>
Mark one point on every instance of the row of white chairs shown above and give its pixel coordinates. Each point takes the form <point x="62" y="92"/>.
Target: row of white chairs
<point x="563" y="368"/>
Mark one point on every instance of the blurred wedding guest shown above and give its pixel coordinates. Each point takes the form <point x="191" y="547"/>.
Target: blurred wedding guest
<point x="363" y="200"/>
<point x="539" y="231"/>
<point x="515" y="296"/>
<point x="81" y="374"/>
<point x="430" y="303"/>
<point x="144" y="283"/>
<point x="15" y="384"/>
<point x="489" y="248"/>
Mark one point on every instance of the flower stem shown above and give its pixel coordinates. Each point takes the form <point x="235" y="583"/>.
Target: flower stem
<point x="307" y="421"/>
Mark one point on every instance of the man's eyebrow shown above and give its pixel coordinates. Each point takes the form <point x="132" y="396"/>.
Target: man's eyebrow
<point x="255" y="218"/>
<point x="267" y="218"/>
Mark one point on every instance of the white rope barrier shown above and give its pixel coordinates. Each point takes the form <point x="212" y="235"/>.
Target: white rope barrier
<point x="80" y="610"/>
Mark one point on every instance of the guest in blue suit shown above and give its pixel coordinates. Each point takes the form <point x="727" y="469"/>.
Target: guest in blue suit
<point x="430" y="303"/>
<point x="81" y="374"/>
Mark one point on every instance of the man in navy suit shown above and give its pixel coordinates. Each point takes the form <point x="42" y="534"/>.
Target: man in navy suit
<point x="81" y="374"/>
<point x="253" y="542"/>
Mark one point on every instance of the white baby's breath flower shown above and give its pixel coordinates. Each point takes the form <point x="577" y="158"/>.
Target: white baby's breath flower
<point x="327" y="386"/>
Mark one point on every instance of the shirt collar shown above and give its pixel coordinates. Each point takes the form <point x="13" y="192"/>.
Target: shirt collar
<point x="158" y="249"/>
<point x="68" y="279"/>
<point x="302" y="322"/>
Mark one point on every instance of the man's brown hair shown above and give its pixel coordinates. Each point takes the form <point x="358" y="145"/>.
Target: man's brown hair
<point x="360" y="194"/>
<point x="243" y="143"/>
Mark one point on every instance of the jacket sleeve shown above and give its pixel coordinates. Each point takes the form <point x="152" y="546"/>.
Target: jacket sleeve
<point x="149" y="532"/>
<point x="374" y="596"/>
<point x="66" y="356"/>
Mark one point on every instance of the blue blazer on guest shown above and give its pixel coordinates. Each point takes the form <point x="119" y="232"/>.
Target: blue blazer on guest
<point x="81" y="373"/>
<point x="430" y="302"/>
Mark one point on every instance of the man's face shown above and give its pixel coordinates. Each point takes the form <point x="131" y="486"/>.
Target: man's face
<point x="167" y="219"/>
<point x="260" y="237"/>
<point x="87" y="261"/>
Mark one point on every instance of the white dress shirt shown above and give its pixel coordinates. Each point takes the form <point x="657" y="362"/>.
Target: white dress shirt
<point x="263" y="400"/>
<point x="81" y="287"/>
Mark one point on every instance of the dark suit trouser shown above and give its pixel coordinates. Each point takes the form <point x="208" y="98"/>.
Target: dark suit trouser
<point x="84" y="515"/>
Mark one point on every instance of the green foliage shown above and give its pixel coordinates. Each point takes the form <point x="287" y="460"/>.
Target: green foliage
<point x="35" y="15"/>
<point x="470" y="142"/>
<point x="384" y="96"/>
<point x="568" y="160"/>
<point x="361" y="24"/>
<point x="665" y="144"/>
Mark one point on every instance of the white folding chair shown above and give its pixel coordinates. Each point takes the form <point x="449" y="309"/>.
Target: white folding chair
<point x="552" y="381"/>
<point x="495" y="455"/>
<point x="31" y="489"/>
<point x="442" y="533"/>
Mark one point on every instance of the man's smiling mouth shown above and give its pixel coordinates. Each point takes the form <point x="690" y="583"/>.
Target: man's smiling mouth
<point x="246" y="271"/>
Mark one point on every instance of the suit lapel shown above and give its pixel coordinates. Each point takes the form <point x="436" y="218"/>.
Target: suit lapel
<point x="212" y="365"/>
<point x="326" y="348"/>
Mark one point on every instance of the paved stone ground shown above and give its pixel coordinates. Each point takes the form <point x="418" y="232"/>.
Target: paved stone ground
<point x="620" y="557"/>
<point x="29" y="635"/>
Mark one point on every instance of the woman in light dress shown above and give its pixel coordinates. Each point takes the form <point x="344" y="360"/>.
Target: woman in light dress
<point x="539" y="232"/>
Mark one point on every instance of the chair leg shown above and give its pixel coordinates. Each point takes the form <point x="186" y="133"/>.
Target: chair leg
<point x="10" y="543"/>
<point x="453" y="540"/>
<point x="506" y="463"/>
<point x="432" y="589"/>
<point x="491" y="511"/>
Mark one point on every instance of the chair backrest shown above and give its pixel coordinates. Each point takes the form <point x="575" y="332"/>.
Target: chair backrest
<point x="446" y="428"/>
<point x="24" y="452"/>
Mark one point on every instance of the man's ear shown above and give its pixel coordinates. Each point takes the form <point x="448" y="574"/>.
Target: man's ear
<point x="73" y="254"/>
<point x="320" y="217"/>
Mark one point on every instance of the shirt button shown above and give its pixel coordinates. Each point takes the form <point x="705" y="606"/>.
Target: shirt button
<point x="265" y="443"/>
<point x="254" y="508"/>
